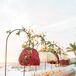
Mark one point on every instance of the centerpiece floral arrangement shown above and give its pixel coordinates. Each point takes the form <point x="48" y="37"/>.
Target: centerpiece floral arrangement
<point x="50" y="47"/>
<point x="29" y="55"/>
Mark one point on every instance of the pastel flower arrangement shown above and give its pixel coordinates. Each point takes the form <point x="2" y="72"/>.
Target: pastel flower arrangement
<point x="29" y="55"/>
<point x="50" y="73"/>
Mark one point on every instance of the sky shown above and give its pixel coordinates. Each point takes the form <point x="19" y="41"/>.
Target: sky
<point x="57" y="18"/>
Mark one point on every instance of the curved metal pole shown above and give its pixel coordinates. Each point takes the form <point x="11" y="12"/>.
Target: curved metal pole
<point x="6" y="50"/>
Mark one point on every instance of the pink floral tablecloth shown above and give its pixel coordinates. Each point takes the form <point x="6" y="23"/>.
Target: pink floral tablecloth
<point x="62" y="71"/>
<point x="56" y="73"/>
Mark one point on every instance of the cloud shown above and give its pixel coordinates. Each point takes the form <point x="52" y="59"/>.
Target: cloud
<point x="55" y="17"/>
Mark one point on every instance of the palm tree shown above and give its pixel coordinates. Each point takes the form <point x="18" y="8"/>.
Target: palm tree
<point x="72" y="48"/>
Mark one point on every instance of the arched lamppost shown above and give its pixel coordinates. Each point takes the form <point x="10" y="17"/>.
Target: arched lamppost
<point x="10" y="32"/>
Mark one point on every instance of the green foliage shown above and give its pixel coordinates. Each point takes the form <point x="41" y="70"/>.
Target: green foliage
<point x="9" y="31"/>
<point x="72" y="48"/>
<point x="18" y="33"/>
<point x="73" y="62"/>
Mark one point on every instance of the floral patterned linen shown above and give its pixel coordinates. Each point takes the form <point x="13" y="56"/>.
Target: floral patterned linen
<point x="56" y="72"/>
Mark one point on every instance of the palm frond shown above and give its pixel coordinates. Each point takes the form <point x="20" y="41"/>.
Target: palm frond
<point x="72" y="47"/>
